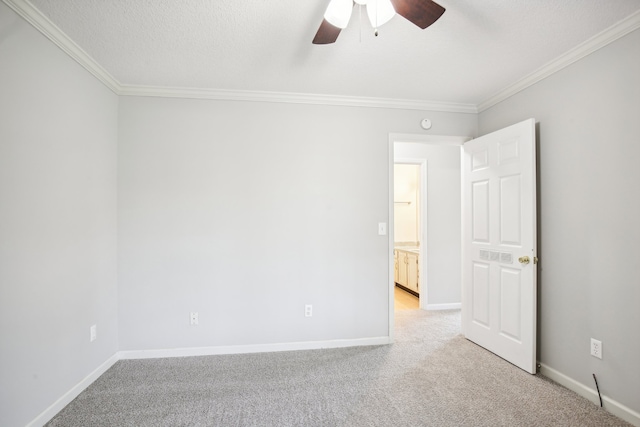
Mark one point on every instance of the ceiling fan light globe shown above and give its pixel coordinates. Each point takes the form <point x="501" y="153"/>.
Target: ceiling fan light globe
<point x="338" y="13"/>
<point x="380" y="12"/>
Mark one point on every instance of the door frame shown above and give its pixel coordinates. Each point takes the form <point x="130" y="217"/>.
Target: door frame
<point x="422" y="139"/>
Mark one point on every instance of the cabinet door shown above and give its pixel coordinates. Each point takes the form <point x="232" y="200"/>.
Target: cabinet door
<point x="413" y="272"/>
<point x="402" y="268"/>
<point x="395" y="266"/>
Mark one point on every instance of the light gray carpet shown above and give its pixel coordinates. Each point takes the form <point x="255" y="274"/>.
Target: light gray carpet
<point x="431" y="376"/>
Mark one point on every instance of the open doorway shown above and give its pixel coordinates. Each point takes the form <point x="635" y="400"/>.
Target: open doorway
<point x="409" y="188"/>
<point x="439" y="223"/>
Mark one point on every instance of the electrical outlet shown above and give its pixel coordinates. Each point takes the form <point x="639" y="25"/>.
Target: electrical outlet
<point x="596" y="348"/>
<point x="93" y="333"/>
<point x="308" y="310"/>
<point x="194" y="318"/>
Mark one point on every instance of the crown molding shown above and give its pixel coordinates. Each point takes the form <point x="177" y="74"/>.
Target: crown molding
<point x="33" y="16"/>
<point x="39" y="21"/>
<point x="295" y="98"/>
<point x="43" y="24"/>
<point x="600" y="40"/>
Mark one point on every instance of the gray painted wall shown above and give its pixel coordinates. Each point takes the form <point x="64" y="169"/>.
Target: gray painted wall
<point x="442" y="216"/>
<point x="589" y="174"/>
<point x="58" y="134"/>
<point x="245" y="212"/>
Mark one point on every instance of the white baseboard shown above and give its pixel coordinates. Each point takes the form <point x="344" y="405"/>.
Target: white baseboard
<point x="257" y="348"/>
<point x="66" y="398"/>
<point x="450" y="306"/>
<point x="616" y="408"/>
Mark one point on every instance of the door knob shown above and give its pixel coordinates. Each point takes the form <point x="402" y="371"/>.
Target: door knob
<point x="524" y="260"/>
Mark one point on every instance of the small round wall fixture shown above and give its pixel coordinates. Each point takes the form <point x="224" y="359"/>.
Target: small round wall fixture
<point x="426" y="124"/>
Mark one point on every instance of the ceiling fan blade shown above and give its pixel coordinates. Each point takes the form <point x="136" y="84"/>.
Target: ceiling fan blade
<point x="421" y="12"/>
<point x="327" y="33"/>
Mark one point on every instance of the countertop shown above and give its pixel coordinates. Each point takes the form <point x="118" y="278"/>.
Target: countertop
<point x="414" y="249"/>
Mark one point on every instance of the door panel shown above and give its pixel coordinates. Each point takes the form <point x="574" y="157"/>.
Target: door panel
<point x="499" y="226"/>
<point x="480" y="211"/>
<point x="510" y="287"/>
<point x="481" y="294"/>
<point x="510" y="215"/>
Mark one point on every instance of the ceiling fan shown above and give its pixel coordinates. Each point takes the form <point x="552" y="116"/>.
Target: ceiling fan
<point x="421" y="12"/>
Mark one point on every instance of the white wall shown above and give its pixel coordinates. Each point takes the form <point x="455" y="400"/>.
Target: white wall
<point x="442" y="219"/>
<point x="406" y="191"/>
<point x="245" y="212"/>
<point x="589" y="176"/>
<point x="58" y="130"/>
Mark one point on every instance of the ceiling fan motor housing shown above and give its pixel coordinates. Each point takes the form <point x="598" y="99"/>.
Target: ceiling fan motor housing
<point x="420" y="12"/>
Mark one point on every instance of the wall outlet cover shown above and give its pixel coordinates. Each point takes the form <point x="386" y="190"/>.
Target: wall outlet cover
<point x="596" y="348"/>
<point x="193" y="318"/>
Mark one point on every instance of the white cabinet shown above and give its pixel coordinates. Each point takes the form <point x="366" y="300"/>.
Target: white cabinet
<point x="412" y="272"/>
<point x="402" y="268"/>
<point x="407" y="269"/>
<point x="395" y="266"/>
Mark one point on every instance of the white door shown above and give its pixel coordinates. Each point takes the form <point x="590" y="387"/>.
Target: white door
<point x="499" y="283"/>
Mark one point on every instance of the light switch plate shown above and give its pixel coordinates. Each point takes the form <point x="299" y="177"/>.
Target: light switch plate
<point x="382" y="228"/>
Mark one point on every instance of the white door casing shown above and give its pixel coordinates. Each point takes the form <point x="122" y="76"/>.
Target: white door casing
<point x="453" y="141"/>
<point x="499" y="293"/>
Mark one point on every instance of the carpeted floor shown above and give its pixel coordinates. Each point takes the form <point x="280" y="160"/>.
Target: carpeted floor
<point x="431" y="376"/>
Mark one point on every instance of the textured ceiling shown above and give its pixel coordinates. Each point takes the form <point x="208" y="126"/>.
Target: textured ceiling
<point x="475" y="50"/>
